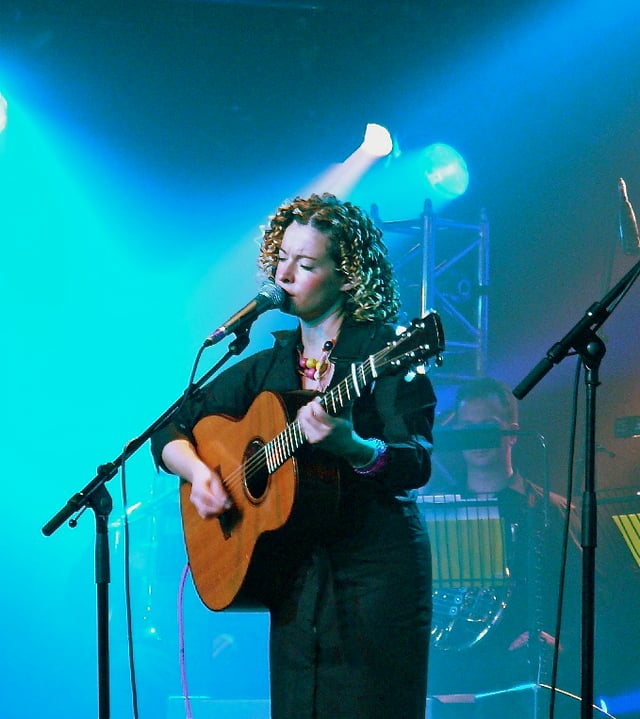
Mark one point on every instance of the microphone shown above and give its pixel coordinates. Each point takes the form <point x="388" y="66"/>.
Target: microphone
<point x="269" y="298"/>
<point x="627" y="224"/>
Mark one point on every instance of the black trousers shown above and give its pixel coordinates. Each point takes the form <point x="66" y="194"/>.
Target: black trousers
<point x="351" y="641"/>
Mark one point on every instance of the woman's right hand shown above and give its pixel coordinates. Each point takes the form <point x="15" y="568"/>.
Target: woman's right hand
<point x="208" y="494"/>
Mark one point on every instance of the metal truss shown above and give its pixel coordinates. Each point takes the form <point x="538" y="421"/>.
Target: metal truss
<point x="443" y="264"/>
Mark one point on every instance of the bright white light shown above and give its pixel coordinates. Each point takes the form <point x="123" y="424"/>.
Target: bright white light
<point x="3" y="112"/>
<point x="377" y="140"/>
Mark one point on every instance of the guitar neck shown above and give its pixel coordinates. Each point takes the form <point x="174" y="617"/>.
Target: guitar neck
<point x="283" y="445"/>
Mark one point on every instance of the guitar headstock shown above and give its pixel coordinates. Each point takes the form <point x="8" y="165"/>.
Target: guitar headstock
<point x="417" y="344"/>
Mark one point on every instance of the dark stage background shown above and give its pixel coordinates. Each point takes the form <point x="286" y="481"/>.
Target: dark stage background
<point x="147" y="142"/>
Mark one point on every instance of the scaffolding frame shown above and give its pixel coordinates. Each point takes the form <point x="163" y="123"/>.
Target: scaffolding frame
<point x="430" y="263"/>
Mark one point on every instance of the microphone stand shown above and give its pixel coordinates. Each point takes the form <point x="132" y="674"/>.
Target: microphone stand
<point x="96" y="496"/>
<point x="582" y="340"/>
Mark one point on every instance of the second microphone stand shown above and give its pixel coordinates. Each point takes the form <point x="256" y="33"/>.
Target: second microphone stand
<point x="583" y="341"/>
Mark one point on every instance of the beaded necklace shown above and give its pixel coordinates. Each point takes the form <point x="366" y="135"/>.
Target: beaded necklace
<point x="313" y="368"/>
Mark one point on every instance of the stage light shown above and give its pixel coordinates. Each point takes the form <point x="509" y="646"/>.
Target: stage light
<point x="445" y="170"/>
<point x="377" y="140"/>
<point x="3" y="112"/>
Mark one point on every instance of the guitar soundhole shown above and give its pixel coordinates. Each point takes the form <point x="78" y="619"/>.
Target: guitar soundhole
<point x="256" y="475"/>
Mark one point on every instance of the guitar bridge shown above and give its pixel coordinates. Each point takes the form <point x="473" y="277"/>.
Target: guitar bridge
<point x="228" y="521"/>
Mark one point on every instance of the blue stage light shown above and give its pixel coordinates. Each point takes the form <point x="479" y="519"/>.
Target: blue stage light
<point x="445" y="170"/>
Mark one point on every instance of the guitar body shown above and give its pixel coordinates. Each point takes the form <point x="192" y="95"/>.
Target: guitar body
<point x="248" y="555"/>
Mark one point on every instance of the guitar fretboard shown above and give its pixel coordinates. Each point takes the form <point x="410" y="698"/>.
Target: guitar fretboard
<point x="283" y="445"/>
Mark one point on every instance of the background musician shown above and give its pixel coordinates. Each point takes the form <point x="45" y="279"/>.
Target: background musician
<point x="532" y="526"/>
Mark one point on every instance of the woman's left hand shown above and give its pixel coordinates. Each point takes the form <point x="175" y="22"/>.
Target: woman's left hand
<point x="334" y="434"/>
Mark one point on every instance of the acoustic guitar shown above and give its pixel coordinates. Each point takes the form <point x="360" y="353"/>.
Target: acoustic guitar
<point x="284" y="491"/>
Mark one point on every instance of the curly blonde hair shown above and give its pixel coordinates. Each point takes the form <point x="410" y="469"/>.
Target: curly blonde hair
<point x="355" y="245"/>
